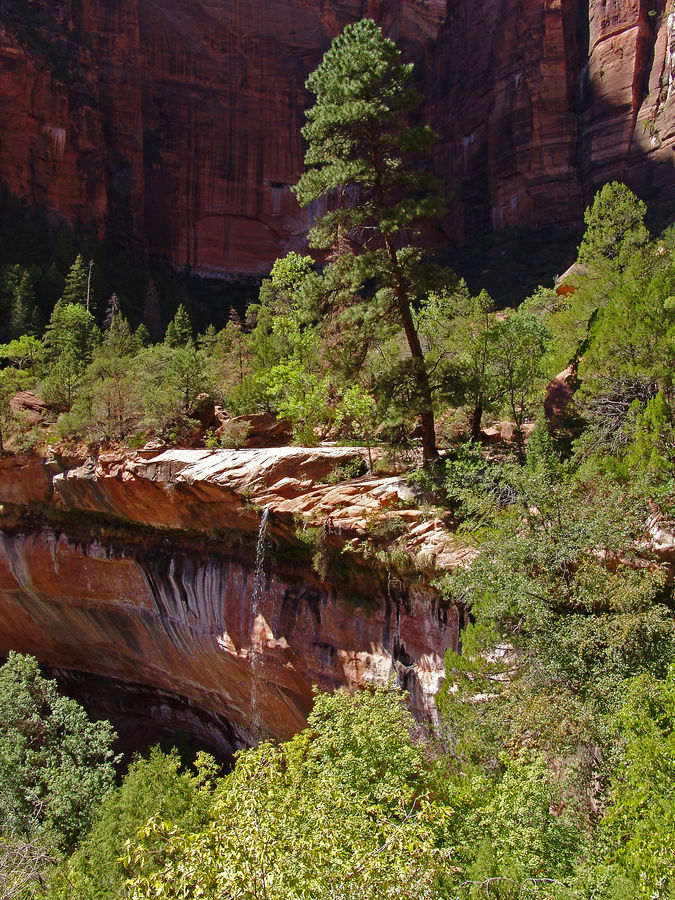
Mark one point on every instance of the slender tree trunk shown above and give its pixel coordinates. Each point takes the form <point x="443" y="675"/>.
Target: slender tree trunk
<point x="370" y="454"/>
<point x="520" y="447"/>
<point x="429" y="451"/>
<point x="476" y="417"/>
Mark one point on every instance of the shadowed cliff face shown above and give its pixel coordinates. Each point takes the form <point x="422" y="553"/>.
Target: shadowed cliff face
<point x="504" y="85"/>
<point x="153" y="576"/>
<point x="539" y="104"/>
<point x="176" y="123"/>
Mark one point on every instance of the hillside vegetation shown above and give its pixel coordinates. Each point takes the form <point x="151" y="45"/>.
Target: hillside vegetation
<point x="552" y="771"/>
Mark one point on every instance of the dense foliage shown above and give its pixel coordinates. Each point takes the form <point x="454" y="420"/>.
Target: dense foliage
<point x="338" y="811"/>
<point x="552" y="771"/>
<point x="56" y="766"/>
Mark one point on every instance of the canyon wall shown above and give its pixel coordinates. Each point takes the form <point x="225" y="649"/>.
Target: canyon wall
<point x="540" y="103"/>
<point x="176" y="123"/>
<point x="206" y="592"/>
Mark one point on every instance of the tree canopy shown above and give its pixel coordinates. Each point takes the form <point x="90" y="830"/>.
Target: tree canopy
<point x="339" y="811"/>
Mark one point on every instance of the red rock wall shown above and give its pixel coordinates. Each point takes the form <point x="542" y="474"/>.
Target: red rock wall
<point x="179" y="622"/>
<point x="151" y="579"/>
<point x="503" y="85"/>
<point x="176" y="123"/>
<point x="540" y="103"/>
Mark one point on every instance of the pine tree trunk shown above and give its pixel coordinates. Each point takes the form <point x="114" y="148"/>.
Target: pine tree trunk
<point x="429" y="452"/>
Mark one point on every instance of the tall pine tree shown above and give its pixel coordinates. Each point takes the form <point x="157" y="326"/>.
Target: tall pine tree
<point x="361" y="160"/>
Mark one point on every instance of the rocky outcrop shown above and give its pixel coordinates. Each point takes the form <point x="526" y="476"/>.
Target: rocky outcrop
<point x="28" y="406"/>
<point x="177" y="124"/>
<point x="559" y="395"/>
<point x="231" y="581"/>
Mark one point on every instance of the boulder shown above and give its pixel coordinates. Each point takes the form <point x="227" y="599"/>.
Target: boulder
<point x="559" y="394"/>
<point x="505" y="432"/>
<point x="29" y="406"/>
<point x="264" y="430"/>
<point x="203" y="410"/>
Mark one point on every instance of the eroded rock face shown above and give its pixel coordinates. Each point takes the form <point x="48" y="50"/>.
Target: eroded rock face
<point x="503" y="84"/>
<point x="177" y="122"/>
<point x="154" y="572"/>
<point x="539" y="104"/>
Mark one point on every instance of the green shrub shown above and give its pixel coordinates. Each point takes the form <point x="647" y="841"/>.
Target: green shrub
<point x="347" y="471"/>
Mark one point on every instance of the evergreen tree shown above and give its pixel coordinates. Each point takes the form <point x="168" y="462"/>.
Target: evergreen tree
<point x="141" y="337"/>
<point x="179" y="330"/>
<point x="186" y="376"/>
<point x="60" y="387"/>
<point x="23" y="310"/>
<point x="75" y="288"/>
<point x="615" y="228"/>
<point x="119" y="340"/>
<point x="72" y="328"/>
<point x="238" y="344"/>
<point x="56" y="763"/>
<point x="615" y="245"/>
<point x="112" y="310"/>
<point x="359" y="135"/>
<point x="207" y="341"/>
<point x="10" y="278"/>
<point x="155" y="786"/>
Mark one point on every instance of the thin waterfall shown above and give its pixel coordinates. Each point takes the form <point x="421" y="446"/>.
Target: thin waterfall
<point x="258" y="585"/>
<point x="259" y="572"/>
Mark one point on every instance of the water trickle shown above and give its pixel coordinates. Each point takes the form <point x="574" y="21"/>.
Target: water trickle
<point x="259" y="572"/>
<point x="255" y="652"/>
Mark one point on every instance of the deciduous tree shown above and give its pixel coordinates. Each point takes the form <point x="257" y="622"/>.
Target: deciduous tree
<point x="337" y="812"/>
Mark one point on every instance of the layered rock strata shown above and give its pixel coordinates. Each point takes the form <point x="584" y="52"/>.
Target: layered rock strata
<point x="155" y="573"/>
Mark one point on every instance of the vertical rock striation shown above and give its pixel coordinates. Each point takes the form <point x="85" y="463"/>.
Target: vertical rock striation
<point x="148" y="574"/>
<point x="504" y="86"/>
<point x="176" y="123"/>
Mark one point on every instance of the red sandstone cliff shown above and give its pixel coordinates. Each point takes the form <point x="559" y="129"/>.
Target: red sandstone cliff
<point x="176" y="122"/>
<point x="142" y="580"/>
<point x="540" y="103"/>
